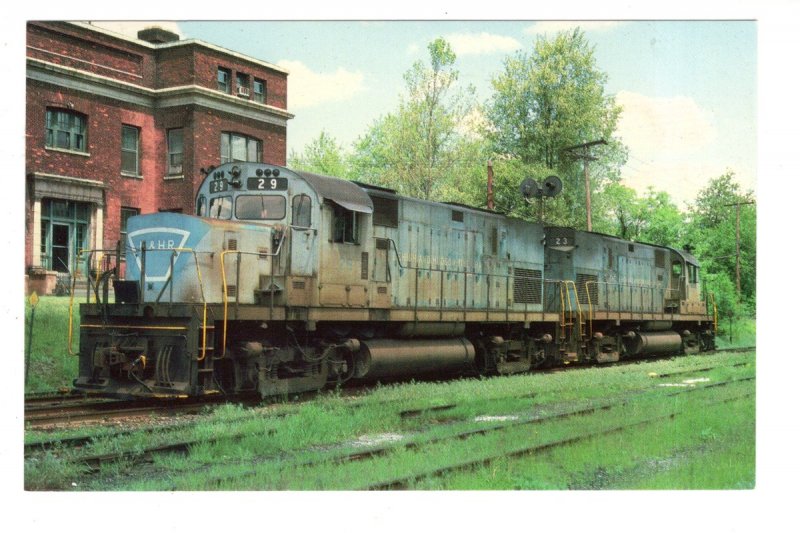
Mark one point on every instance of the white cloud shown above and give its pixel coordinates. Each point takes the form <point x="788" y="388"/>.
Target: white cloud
<point x="650" y="126"/>
<point x="481" y="43"/>
<point x="555" y="26"/>
<point x="131" y="27"/>
<point x="308" y="88"/>
<point x="668" y="139"/>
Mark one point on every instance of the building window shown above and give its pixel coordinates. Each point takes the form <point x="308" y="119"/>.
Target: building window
<point x="130" y="150"/>
<point x="242" y="85"/>
<point x="259" y="90"/>
<point x="66" y="130"/>
<point x="345" y="225"/>
<point x="124" y="214"/>
<point x="175" y="151"/>
<point x="234" y="147"/>
<point x="224" y="80"/>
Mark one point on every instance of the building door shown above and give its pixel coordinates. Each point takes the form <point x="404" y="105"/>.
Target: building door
<point x="65" y="229"/>
<point x="60" y="247"/>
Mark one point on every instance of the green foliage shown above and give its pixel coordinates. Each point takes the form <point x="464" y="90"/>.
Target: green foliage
<point x="322" y="156"/>
<point x="712" y="234"/>
<point x="419" y="148"/>
<point x="654" y="218"/>
<point x="551" y="99"/>
<point x="51" y="366"/>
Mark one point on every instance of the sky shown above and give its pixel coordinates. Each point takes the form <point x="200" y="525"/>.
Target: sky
<point x="688" y="89"/>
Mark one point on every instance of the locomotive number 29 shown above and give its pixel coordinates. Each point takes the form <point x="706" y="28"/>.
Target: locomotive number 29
<point x="267" y="184"/>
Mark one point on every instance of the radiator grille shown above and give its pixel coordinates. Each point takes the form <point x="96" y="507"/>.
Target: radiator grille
<point x="298" y="284"/>
<point x="233" y="244"/>
<point x="231" y="291"/>
<point x="527" y="286"/>
<point x="583" y="296"/>
<point x="382" y="290"/>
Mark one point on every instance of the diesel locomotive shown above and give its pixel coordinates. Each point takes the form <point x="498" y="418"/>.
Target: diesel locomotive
<point x="284" y="281"/>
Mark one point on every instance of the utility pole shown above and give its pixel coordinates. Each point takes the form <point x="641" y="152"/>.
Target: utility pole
<point x="738" y="246"/>
<point x="586" y="157"/>
<point x="490" y="186"/>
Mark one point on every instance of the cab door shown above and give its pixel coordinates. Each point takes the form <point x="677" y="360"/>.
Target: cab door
<point x="302" y="237"/>
<point x="677" y="283"/>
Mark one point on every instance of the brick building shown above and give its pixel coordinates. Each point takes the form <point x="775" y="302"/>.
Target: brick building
<point x="117" y="126"/>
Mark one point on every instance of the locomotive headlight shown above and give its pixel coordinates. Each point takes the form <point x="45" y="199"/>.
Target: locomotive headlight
<point x="275" y="172"/>
<point x="259" y="172"/>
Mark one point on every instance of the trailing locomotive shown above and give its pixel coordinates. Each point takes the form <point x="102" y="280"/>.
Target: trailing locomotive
<point x="284" y="281"/>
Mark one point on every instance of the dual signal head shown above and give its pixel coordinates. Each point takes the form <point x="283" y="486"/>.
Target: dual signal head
<point x="550" y="187"/>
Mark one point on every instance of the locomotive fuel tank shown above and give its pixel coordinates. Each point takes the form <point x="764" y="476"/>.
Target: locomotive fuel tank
<point x="652" y="343"/>
<point x="385" y="358"/>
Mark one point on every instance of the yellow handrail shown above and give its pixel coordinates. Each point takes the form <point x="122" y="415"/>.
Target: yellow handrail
<point x="224" y="298"/>
<point x="589" y="299"/>
<point x="577" y="303"/>
<point x="69" y="331"/>
<point x="97" y="272"/>
<point x="714" y="305"/>
<point x="202" y="295"/>
<point x="71" y="309"/>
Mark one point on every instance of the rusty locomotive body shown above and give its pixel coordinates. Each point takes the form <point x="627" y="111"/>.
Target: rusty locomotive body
<point x="284" y="281"/>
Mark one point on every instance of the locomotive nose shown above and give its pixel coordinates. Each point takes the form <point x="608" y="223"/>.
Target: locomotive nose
<point x="157" y="246"/>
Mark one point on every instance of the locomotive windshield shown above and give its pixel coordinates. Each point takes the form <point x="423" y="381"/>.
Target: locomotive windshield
<point x="260" y="207"/>
<point x="220" y="207"/>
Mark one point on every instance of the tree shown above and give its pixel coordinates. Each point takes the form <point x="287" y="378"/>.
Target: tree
<point x="551" y="99"/>
<point x="417" y="148"/>
<point x="654" y="218"/>
<point x="713" y="232"/>
<point x="323" y="155"/>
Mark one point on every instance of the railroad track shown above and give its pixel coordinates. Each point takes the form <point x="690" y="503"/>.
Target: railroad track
<point x="46" y="414"/>
<point x="544" y="413"/>
<point x="405" y="482"/>
<point x="340" y="454"/>
<point x="59" y="408"/>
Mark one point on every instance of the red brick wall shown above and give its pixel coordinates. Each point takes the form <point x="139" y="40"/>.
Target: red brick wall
<point x="71" y="46"/>
<point x="175" y="67"/>
<point x="207" y="62"/>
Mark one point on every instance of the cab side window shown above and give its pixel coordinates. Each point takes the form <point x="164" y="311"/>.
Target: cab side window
<point x="301" y="211"/>
<point x="345" y="225"/>
<point x="692" y="274"/>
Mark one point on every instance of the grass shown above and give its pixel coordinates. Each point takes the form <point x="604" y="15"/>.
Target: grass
<point x="51" y="365"/>
<point x="705" y="444"/>
<point x="736" y="332"/>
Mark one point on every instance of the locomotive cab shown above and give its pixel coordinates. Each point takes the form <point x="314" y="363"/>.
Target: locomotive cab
<point x="683" y="295"/>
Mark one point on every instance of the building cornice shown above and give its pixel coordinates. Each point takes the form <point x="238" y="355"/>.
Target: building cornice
<point x="177" y="44"/>
<point x="94" y="84"/>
